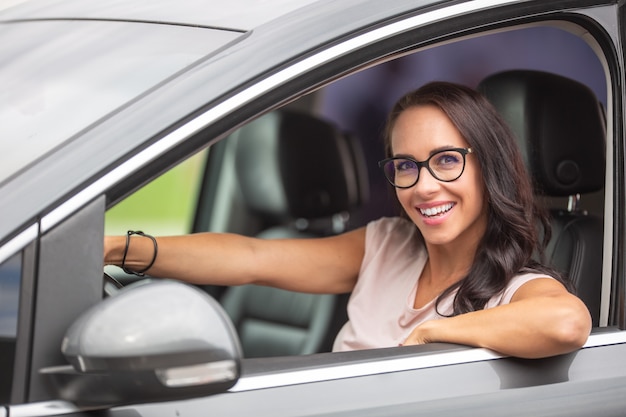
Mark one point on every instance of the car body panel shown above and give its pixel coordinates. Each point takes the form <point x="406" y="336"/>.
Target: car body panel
<point x="474" y="387"/>
<point x="239" y="15"/>
<point x="438" y="380"/>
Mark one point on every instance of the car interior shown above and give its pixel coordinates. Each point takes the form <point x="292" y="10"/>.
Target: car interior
<point x="561" y="127"/>
<point x="295" y="173"/>
<point x="300" y="177"/>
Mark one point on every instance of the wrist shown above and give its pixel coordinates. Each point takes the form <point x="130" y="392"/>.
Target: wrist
<point x="424" y="333"/>
<point x="428" y="330"/>
<point x="114" y="250"/>
<point x="130" y="267"/>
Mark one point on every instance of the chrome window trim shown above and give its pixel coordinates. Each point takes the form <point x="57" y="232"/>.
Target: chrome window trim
<point x="394" y="365"/>
<point x="607" y="249"/>
<point x="376" y="367"/>
<point x="19" y="242"/>
<point x="43" y="409"/>
<point x="604" y="339"/>
<point x="249" y="94"/>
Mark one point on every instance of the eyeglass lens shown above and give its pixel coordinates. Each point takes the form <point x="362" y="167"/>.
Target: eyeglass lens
<point x="445" y="165"/>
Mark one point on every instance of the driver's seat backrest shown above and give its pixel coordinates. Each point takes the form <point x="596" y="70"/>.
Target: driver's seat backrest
<point x="301" y="177"/>
<point x="561" y="129"/>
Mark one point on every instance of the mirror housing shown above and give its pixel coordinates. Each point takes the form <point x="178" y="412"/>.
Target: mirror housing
<point x="152" y="341"/>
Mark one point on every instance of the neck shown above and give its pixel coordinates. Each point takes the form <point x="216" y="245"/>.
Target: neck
<point x="449" y="264"/>
<point x="452" y="261"/>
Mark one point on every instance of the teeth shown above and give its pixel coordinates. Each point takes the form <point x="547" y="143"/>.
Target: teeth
<point x="435" y="211"/>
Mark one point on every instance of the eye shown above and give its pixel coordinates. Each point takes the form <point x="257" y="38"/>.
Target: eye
<point x="447" y="160"/>
<point x="403" y="165"/>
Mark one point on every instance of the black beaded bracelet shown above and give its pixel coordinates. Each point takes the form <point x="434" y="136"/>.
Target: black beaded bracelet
<point x="154" y="242"/>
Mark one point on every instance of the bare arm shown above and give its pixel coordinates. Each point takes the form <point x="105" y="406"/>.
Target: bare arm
<point x="323" y="265"/>
<point x="543" y="319"/>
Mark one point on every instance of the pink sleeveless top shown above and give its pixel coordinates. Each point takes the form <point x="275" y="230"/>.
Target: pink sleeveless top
<point x="380" y="309"/>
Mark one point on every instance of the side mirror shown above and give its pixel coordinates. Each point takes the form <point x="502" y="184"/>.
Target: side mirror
<point x="151" y="341"/>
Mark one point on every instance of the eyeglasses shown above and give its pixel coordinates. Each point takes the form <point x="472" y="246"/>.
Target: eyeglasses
<point x="446" y="165"/>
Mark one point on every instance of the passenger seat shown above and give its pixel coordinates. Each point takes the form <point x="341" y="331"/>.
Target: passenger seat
<point x="561" y="129"/>
<point x="302" y="177"/>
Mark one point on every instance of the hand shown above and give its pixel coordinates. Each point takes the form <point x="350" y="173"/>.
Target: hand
<point x="423" y="333"/>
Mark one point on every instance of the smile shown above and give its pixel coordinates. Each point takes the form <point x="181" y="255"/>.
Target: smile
<point x="436" y="211"/>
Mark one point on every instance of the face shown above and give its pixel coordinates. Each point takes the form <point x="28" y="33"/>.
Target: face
<point x="447" y="213"/>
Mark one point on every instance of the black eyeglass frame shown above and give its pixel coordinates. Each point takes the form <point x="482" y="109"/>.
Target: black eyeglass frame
<point x="424" y="164"/>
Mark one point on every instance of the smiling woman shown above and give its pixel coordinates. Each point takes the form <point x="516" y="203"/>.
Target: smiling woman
<point x="480" y="247"/>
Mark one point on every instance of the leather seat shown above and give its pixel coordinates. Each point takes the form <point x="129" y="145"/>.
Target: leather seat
<point x="301" y="177"/>
<point x="561" y="129"/>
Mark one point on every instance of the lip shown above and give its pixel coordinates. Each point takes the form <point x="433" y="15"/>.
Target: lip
<point x="436" y="220"/>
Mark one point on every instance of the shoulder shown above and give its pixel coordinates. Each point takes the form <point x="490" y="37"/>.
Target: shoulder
<point x="516" y="283"/>
<point x="397" y="226"/>
<point x="542" y="285"/>
<point x="392" y="240"/>
<point x="394" y="233"/>
<point x="522" y="278"/>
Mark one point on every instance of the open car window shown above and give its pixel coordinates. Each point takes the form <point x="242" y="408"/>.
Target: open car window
<point x="221" y="193"/>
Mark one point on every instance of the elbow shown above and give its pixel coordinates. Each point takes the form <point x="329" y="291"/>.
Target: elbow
<point x="572" y="330"/>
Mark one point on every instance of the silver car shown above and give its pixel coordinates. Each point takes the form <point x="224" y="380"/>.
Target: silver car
<point x="274" y="110"/>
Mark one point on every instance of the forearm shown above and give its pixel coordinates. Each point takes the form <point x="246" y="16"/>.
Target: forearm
<point x="323" y="265"/>
<point x="532" y="328"/>
<point x="189" y="258"/>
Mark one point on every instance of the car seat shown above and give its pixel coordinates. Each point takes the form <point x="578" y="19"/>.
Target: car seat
<point x="561" y="129"/>
<point x="301" y="177"/>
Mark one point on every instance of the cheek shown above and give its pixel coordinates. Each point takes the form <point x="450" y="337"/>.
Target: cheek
<point x="404" y="197"/>
<point x="479" y="191"/>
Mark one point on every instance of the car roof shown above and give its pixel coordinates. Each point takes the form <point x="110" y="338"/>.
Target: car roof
<point x="240" y="15"/>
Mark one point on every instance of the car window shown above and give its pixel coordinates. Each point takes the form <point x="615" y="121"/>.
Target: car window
<point x="10" y="272"/>
<point x="358" y="112"/>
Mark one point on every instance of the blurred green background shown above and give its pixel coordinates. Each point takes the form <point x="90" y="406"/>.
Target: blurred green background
<point x="165" y="206"/>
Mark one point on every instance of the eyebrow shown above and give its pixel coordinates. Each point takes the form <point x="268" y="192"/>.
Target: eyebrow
<point x="432" y="152"/>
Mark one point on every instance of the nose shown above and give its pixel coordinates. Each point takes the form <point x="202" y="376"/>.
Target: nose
<point x="426" y="183"/>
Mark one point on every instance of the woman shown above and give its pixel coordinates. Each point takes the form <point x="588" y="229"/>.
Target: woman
<point x="456" y="267"/>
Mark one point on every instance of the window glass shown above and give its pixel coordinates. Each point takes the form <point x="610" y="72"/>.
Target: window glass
<point x="55" y="67"/>
<point x="10" y="273"/>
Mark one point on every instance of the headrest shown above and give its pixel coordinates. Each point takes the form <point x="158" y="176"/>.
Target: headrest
<point x="559" y="124"/>
<point x="293" y="165"/>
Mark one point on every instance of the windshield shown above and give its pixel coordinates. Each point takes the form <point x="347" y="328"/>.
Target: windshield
<point x="60" y="77"/>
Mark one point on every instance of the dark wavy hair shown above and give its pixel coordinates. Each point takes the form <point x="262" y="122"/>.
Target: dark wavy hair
<point x="518" y="228"/>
